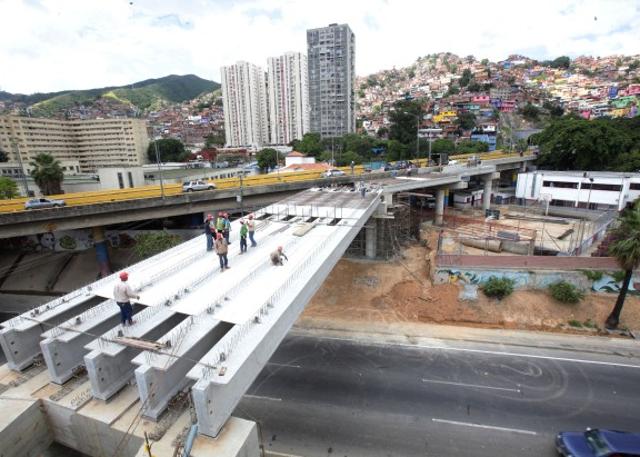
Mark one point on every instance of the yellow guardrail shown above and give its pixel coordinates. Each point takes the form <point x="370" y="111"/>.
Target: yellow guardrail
<point x="116" y="195"/>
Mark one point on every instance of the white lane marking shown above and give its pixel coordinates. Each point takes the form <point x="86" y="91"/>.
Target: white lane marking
<point x="488" y="427"/>
<point x="483" y="351"/>
<point x="286" y="365"/>
<point x="259" y="397"/>
<point x="280" y="454"/>
<point x="475" y="386"/>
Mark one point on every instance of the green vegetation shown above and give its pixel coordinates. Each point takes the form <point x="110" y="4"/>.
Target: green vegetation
<point x="565" y="292"/>
<point x="593" y="275"/>
<point x="267" y="159"/>
<point x="530" y="112"/>
<point x="560" y="62"/>
<point x="150" y="244"/>
<point x="626" y="250"/>
<point x="466" y="77"/>
<point x="575" y="323"/>
<point x="144" y="94"/>
<point x="214" y="139"/>
<point x="466" y="120"/>
<point x="590" y="324"/>
<point x="47" y="174"/>
<point x="311" y="144"/>
<point x="498" y="287"/>
<point x="618" y="276"/>
<point x="571" y="143"/>
<point x="8" y="188"/>
<point x="169" y="149"/>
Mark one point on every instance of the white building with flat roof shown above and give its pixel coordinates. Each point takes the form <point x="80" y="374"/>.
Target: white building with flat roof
<point x="244" y="101"/>
<point x="288" y="97"/>
<point x="580" y="189"/>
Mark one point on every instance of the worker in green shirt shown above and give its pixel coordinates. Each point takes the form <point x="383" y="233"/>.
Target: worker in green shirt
<point x="243" y="236"/>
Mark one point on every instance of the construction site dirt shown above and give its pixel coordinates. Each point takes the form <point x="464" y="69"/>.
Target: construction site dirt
<point x="362" y="292"/>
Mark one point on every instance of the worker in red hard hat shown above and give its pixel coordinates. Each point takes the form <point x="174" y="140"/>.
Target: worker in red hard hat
<point x="277" y="256"/>
<point x="222" y="248"/>
<point x="251" y="227"/>
<point x="209" y="229"/>
<point x="122" y="293"/>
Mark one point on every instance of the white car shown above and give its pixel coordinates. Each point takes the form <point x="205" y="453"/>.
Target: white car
<point x="333" y="173"/>
<point x="40" y="203"/>
<point x="198" y="184"/>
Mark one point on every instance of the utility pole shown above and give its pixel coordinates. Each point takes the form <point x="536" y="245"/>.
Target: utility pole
<point x="16" y="151"/>
<point x="155" y="144"/>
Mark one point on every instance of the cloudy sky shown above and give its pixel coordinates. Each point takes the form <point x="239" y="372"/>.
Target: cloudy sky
<point x="49" y="45"/>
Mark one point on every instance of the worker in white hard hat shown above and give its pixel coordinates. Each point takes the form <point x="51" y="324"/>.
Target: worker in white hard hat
<point x="277" y="255"/>
<point x="122" y="293"/>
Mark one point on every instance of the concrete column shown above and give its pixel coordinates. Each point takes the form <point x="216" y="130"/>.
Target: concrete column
<point x="371" y="238"/>
<point x="102" y="251"/>
<point x="486" y="194"/>
<point x="439" y="206"/>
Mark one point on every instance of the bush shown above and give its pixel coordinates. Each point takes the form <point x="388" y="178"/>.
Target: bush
<point x="498" y="287"/>
<point x="565" y="292"/>
<point x="149" y="244"/>
<point x="618" y="276"/>
<point x="593" y="275"/>
<point x="575" y="323"/>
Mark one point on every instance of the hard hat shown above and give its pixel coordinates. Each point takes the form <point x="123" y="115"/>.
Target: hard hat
<point x="124" y="275"/>
<point x="242" y="221"/>
<point x="220" y="213"/>
<point x="250" y="216"/>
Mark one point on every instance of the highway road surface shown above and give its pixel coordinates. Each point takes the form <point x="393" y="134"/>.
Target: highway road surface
<point x="333" y="396"/>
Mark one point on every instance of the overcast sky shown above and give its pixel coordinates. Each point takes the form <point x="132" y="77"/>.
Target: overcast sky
<point x="49" y="45"/>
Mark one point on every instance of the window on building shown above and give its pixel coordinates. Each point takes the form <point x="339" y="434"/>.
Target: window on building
<point x="634" y="186"/>
<point x="560" y="184"/>
<point x="130" y="176"/>
<point x="120" y="181"/>
<point x="606" y="187"/>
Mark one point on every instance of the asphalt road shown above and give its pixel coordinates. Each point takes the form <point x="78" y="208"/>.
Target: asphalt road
<point x="326" y="396"/>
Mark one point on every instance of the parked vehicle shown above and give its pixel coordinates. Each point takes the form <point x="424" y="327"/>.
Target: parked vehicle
<point x="198" y="184"/>
<point x="41" y="203"/>
<point x="333" y="173"/>
<point x="598" y="442"/>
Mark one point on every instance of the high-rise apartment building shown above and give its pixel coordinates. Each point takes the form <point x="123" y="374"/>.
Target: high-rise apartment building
<point x="244" y="100"/>
<point x="95" y="143"/>
<point x="332" y="77"/>
<point x="288" y="97"/>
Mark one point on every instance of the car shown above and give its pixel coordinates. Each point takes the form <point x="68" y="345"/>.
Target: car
<point x="198" y="184"/>
<point x="41" y="203"/>
<point x="598" y="443"/>
<point x="333" y="173"/>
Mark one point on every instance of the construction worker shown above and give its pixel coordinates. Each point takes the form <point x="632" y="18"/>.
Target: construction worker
<point x="243" y="236"/>
<point x="220" y="222"/>
<point x="122" y="293"/>
<point x="208" y="231"/>
<point x="226" y="228"/>
<point x="222" y="248"/>
<point x="277" y="255"/>
<point x="251" y="225"/>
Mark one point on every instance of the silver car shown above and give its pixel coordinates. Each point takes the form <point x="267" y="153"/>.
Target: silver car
<point x="40" y="203"/>
<point x="333" y="173"/>
<point x="198" y="184"/>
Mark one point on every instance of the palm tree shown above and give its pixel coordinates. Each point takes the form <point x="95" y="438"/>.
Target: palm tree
<point x="626" y="250"/>
<point x="47" y="174"/>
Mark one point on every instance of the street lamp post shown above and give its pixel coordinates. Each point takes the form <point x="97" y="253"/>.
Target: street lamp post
<point x="16" y="150"/>
<point x="155" y="144"/>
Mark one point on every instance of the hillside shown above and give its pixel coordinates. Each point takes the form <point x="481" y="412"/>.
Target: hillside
<point x="142" y="95"/>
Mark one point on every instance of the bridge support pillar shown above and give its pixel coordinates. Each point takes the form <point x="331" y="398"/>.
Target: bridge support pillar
<point x="102" y="251"/>
<point x="439" y="206"/>
<point x="371" y="238"/>
<point x="486" y="194"/>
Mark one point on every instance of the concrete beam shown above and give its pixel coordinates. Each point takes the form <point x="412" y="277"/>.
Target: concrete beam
<point x="20" y="338"/>
<point x="439" y="207"/>
<point x="63" y="348"/>
<point x="160" y="377"/>
<point x="486" y="194"/>
<point x="217" y="391"/>
<point x="109" y="364"/>
<point x="371" y="238"/>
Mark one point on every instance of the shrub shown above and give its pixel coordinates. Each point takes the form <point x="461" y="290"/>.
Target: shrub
<point x="565" y="292"/>
<point x="618" y="276"/>
<point x="593" y="275"/>
<point x="149" y="244"/>
<point x="575" y="323"/>
<point x="498" y="287"/>
<point x="590" y="324"/>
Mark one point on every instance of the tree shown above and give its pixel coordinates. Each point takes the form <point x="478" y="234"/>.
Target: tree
<point x="466" y="120"/>
<point x="213" y="139"/>
<point x="267" y="159"/>
<point x="469" y="147"/>
<point x="382" y="132"/>
<point x="8" y="188"/>
<point x="311" y="144"/>
<point x="530" y="112"/>
<point x="397" y="151"/>
<point x="4" y="157"/>
<point x="170" y="150"/>
<point x="554" y="109"/>
<point x="466" y="77"/>
<point x="626" y="250"/>
<point x="149" y="244"/>
<point x="441" y="146"/>
<point x="404" y="121"/>
<point x="521" y="145"/>
<point x="484" y="62"/>
<point x="47" y="174"/>
<point x="474" y="86"/>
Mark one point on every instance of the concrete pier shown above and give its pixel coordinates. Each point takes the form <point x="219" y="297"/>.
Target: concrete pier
<point x="109" y="364"/>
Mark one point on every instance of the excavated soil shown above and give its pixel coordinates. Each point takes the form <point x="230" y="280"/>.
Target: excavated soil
<point x="400" y="291"/>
